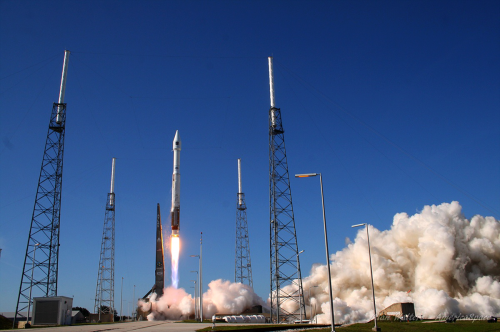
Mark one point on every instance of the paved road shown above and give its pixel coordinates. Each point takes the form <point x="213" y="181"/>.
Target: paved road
<point x="163" y="326"/>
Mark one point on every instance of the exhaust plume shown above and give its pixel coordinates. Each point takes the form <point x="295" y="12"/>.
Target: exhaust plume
<point x="222" y="297"/>
<point x="175" y="248"/>
<point x="439" y="260"/>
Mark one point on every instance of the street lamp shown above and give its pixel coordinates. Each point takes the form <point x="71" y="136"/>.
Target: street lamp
<point x="31" y="282"/>
<point x="134" y="315"/>
<point x="326" y="240"/>
<point x="195" y="298"/>
<point x="376" y="328"/>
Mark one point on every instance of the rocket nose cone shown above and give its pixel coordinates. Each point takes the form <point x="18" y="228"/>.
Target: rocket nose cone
<point x="177" y="141"/>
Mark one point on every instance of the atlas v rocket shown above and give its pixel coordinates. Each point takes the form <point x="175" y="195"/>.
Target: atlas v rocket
<point x="176" y="186"/>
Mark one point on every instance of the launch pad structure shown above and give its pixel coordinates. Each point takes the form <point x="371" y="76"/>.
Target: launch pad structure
<point x="159" y="267"/>
<point x="41" y="261"/>
<point x="105" y="289"/>
<point x="284" y="252"/>
<point x="243" y="264"/>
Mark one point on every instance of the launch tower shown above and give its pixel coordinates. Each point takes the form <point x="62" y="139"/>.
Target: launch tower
<point x="159" y="267"/>
<point x="105" y="290"/>
<point x="243" y="264"/>
<point x="40" y="269"/>
<point x="285" y="266"/>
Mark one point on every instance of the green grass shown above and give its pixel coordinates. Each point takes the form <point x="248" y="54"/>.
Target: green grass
<point x="459" y="326"/>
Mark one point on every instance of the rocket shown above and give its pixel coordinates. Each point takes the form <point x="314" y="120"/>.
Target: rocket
<point x="176" y="186"/>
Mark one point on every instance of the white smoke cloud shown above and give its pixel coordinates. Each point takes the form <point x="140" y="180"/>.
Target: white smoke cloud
<point x="437" y="259"/>
<point x="174" y="304"/>
<point x="222" y="297"/>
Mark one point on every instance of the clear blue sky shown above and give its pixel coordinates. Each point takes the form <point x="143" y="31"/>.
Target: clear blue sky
<point x="395" y="102"/>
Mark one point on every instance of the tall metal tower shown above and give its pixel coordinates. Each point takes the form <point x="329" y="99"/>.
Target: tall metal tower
<point x="243" y="264"/>
<point x="40" y="271"/>
<point x="160" y="268"/>
<point x="105" y="290"/>
<point x="285" y="266"/>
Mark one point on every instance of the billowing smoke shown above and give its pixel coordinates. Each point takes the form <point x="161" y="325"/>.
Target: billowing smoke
<point x="439" y="260"/>
<point x="222" y="297"/>
<point x="174" y="304"/>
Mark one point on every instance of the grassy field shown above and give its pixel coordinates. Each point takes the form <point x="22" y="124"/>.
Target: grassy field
<point x="460" y="326"/>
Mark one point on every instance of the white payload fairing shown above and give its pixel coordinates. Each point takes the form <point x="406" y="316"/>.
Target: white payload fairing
<point x="176" y="186"/>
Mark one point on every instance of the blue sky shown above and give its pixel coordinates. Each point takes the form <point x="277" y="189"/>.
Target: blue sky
<point x="395" y="102"/>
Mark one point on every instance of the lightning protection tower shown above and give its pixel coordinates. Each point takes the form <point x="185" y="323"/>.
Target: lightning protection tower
<point x="243" y="264"/>
<point x="40" y="269"/>
<point x="105" y="290"/>
<point x="285" y="266"/>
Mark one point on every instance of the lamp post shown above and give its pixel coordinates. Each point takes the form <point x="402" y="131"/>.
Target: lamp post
<point x="375" y="328"/>
<point x="300" y="295"/>
<point x="31" y="283"/>
<point x="134" y="316"/>
<point x="326" y="240"/>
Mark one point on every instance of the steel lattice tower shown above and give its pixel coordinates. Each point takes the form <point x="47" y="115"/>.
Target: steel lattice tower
<point x="40" y="269"/>
<point x="285" y="265"/>
<point x="243" y="264"/>
<point x="105" y="289"/>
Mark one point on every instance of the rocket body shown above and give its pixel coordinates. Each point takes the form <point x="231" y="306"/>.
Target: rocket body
<point x="176" y="186"/>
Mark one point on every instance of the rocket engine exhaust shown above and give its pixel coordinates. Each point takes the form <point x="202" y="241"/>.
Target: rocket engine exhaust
<point x="175" y="248"/>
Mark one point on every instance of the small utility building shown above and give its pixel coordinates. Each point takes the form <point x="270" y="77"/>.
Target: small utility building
<point x="399" y="310"/>
<point x="55" y="310"/>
